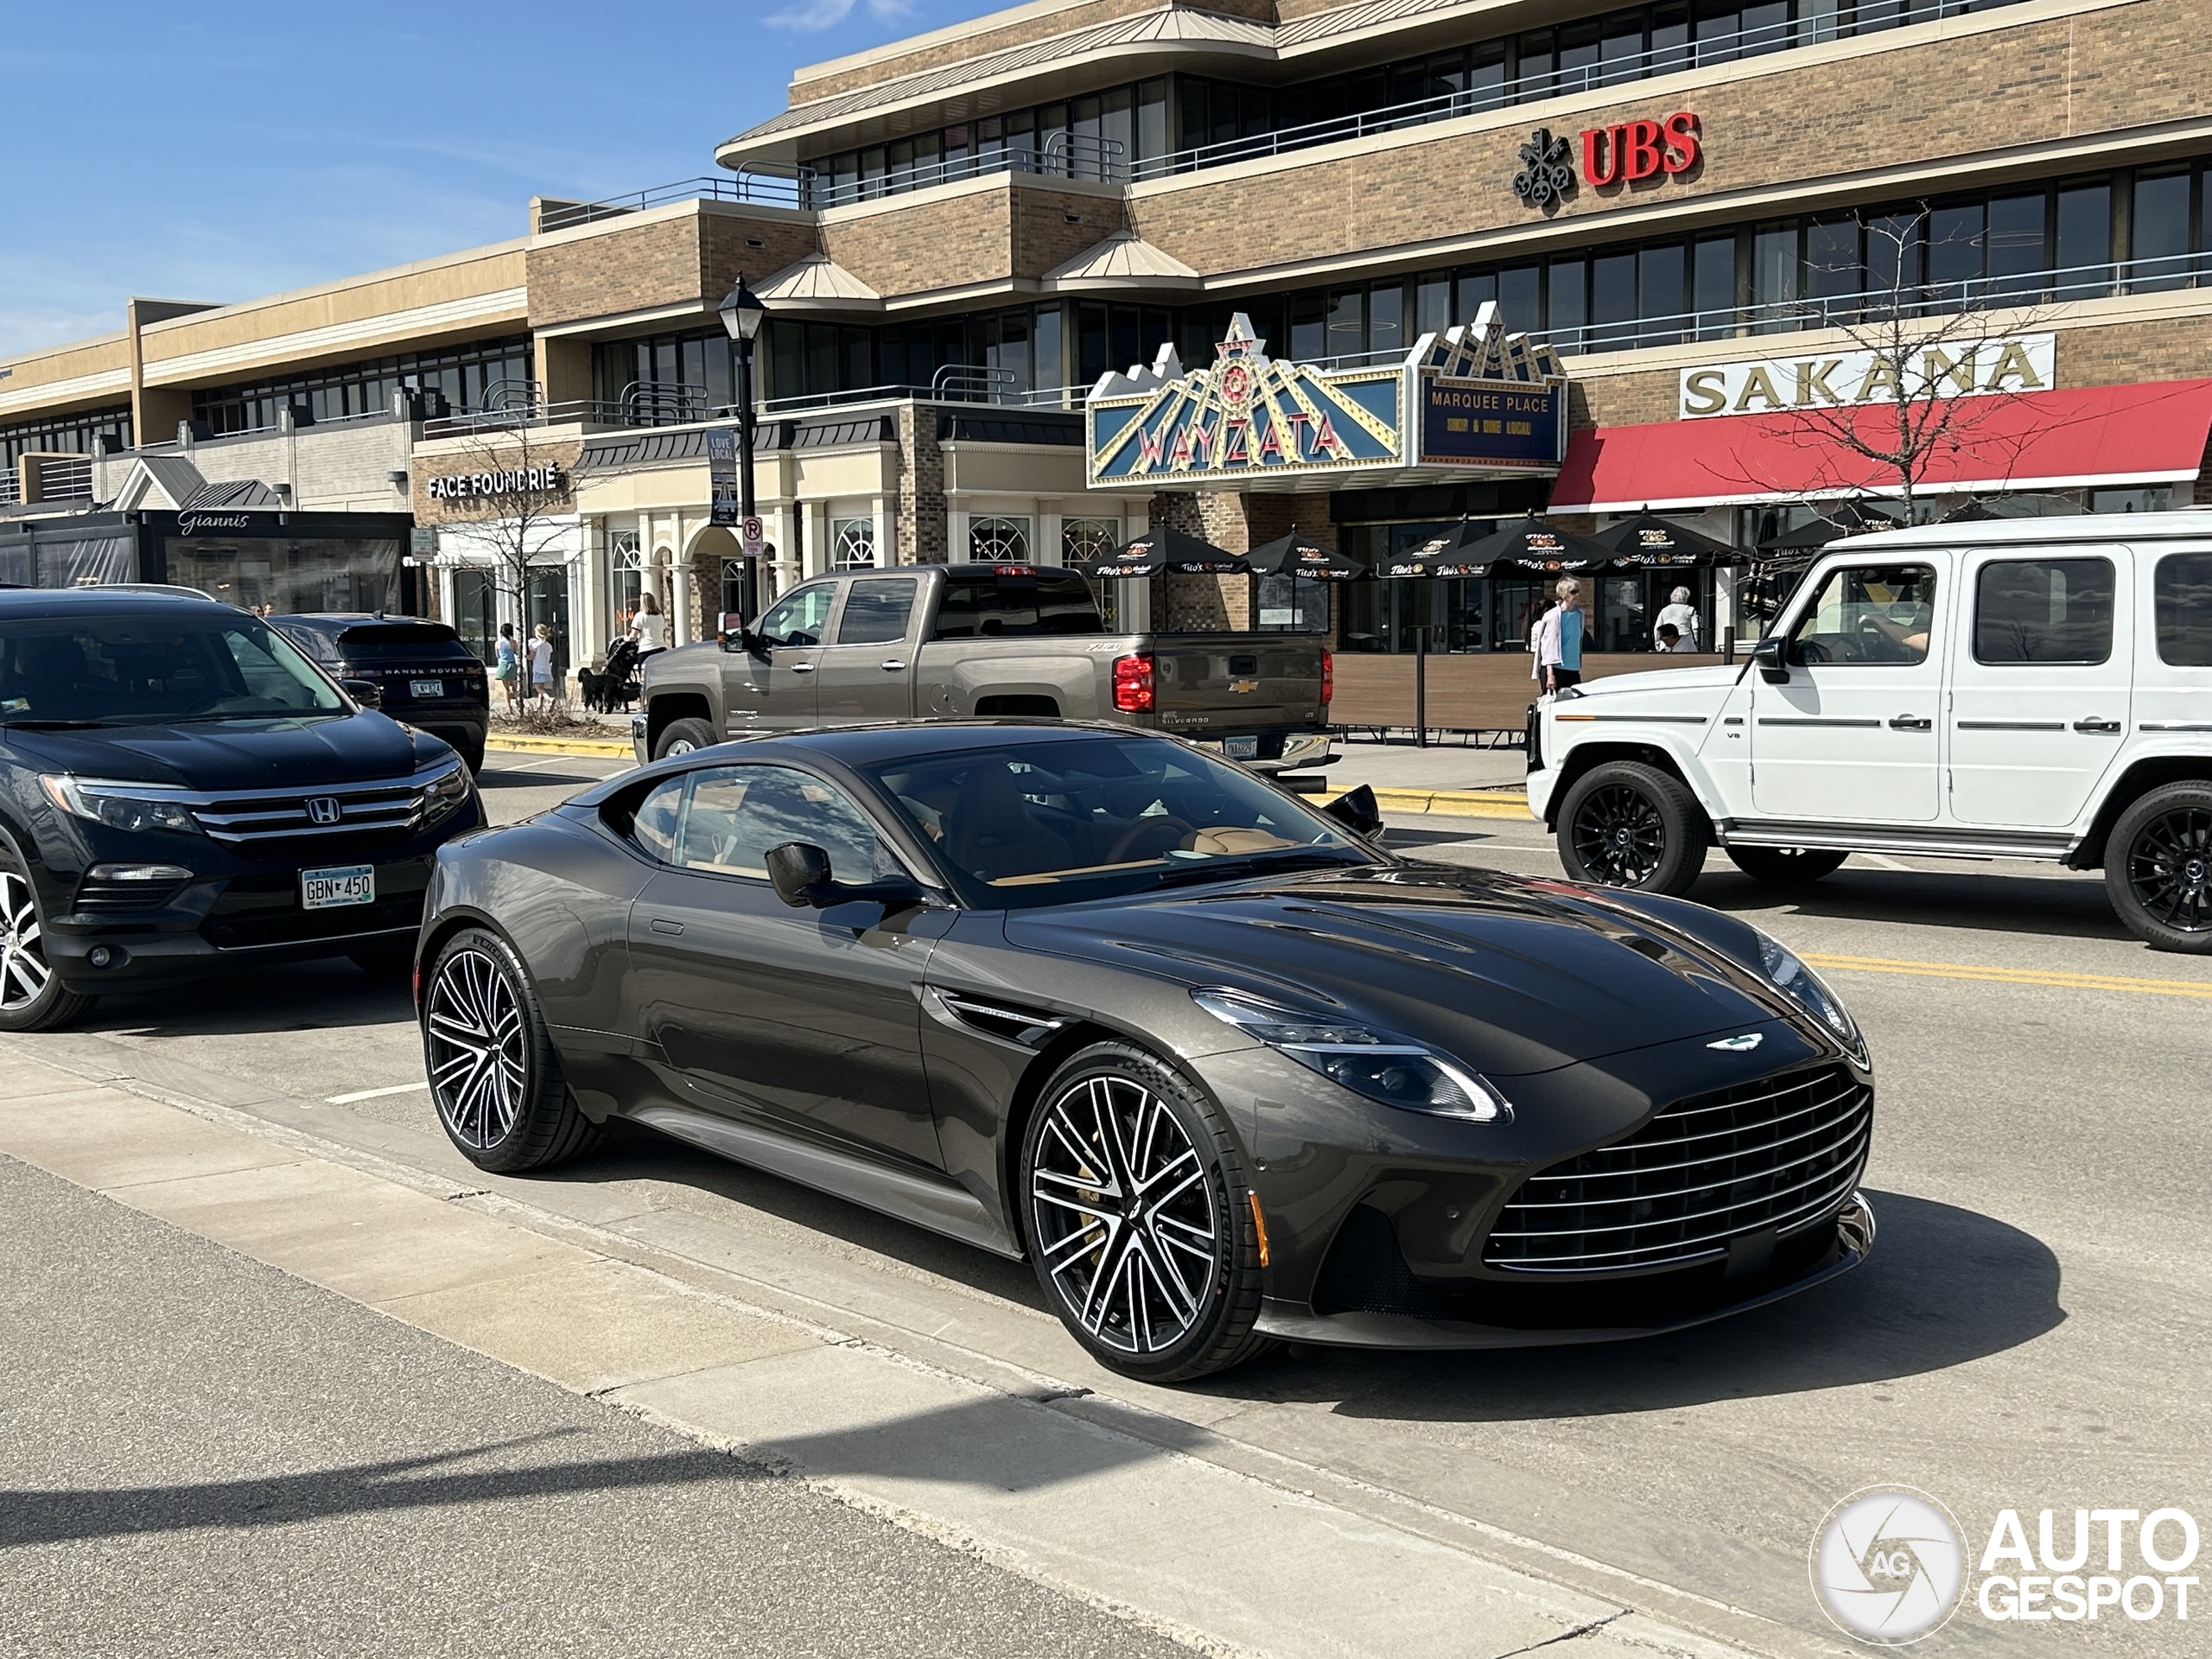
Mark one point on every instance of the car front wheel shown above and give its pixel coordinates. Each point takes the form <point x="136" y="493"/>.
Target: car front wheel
<point x="683" y="736"/>
<point x="2158" y="868"/>
<point x="495" y="1073"/>
<point x="32" y="996"/>
<point x="1625" y="824"/>
<point x="1142" y="1228"/>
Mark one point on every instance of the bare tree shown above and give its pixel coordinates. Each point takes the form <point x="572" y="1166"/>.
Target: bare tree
<point x="525" y="489"/>
<point x="1931" y="371"/>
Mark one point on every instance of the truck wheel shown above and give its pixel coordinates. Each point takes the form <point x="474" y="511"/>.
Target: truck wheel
<point x="1625" y="824"/>
<point x="683" y="736"/>
<point x="1786" y="866"/>
<point x="2158" y="868"/>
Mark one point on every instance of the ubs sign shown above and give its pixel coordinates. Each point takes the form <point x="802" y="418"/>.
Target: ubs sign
<point x="1628" y="152"/>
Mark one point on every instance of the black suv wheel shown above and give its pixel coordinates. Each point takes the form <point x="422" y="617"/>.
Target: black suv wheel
<point x="2158" y="868"/>
<point x="1625" y="824"/>
<point x="32" y="996"/>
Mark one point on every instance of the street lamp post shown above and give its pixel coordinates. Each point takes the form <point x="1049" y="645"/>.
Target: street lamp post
<point x="742" y="315"/>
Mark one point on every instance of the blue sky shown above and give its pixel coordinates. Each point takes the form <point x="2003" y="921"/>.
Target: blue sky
<point x="226" y="150"/>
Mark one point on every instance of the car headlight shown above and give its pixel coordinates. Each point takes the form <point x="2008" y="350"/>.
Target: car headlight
<point x="1376" y="1063"/>
<point x="1806" y="988"/>
<point x="444" y="792"/>
<point x="120" y="805"/>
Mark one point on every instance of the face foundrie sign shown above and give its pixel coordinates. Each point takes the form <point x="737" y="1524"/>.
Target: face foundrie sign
<point x="1468" y="402"/>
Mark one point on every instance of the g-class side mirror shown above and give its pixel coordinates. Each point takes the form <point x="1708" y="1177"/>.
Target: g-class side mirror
<point x="1771" y="655"/>
<point x="1356" y="809"/>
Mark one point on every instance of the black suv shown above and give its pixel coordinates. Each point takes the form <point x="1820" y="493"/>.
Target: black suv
<point x="427" y="675"/>
<point x="182" y="789"/>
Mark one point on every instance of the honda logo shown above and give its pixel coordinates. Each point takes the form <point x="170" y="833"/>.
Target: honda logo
<point x="322" y="808"/>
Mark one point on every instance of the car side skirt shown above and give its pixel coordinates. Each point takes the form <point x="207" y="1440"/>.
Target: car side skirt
<point x="1926" y="841"/>
<point x="939" y="1207"/>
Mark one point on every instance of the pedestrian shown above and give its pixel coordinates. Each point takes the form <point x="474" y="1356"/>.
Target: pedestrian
<point x="648" y="627"/>
<point x="1670" y="637"/>
<point x="1557" y="644"/>
<point x="507" y="668"/>
<point x="540" y="665"/>
<point x="1682" y="615"/>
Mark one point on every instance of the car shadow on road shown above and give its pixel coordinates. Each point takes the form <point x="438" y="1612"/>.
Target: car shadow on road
<point x="496" y="777"/>
<point x="298" y="996"/>
<point x="1945" y="1286"/>
<point x="1989" y="903"/>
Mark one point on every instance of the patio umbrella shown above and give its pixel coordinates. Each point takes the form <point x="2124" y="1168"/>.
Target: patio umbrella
<point x="1647" y="542"/>
<point x="1529" y="544"/>
<point x="1300" y="557"/>
<point x="1849" y="519"/>
<point x="1164" y="548"/>
<point x="1447" y="554"/>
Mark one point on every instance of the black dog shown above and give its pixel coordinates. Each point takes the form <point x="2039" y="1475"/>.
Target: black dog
<point x="612" y="688"/>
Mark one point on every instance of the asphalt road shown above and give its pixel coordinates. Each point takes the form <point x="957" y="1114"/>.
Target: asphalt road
<point x="2032" y="1333"/>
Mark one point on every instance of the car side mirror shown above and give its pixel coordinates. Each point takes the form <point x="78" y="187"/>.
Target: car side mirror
<point x="801" y="875"/>
<point x="1356" y="809"/>
<point x="367" y="693"/>
<point x="1771" y="656"/>
<point x="732" y="634"/>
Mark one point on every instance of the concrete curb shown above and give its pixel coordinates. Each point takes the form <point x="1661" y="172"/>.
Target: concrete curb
<point x="522" y="744"/>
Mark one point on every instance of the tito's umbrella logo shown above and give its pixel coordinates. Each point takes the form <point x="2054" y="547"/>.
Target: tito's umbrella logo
<point x="1888" y="1566"/>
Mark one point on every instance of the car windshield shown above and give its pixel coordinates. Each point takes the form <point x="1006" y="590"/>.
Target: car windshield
<point x="127" y="668"/>
<point x="1049" y="822"/>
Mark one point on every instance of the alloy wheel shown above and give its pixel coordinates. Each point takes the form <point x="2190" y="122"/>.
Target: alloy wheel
<point x="682" y="745"/>
<point x="478" y="1048"/>
<point x="2170" y="868"/>
<point x="24" y="973"/>
<point x="1619" y="836"/>
<point x="1124" y="1215"/>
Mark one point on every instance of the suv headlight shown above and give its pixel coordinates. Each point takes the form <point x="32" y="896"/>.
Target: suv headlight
<point x="444" y="792"/>
<point x="1376" y="1063"/>
<point x="120" y="806"/>
<point x="1807" y="989"/>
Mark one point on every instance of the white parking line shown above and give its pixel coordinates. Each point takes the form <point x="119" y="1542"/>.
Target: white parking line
<point x="373" y="1094"/>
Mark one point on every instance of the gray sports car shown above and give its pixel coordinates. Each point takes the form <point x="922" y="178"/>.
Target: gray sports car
<point x="1222" y="1069"/>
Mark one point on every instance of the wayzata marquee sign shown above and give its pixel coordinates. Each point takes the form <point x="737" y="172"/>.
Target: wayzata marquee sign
<point x="1467" y="401"/>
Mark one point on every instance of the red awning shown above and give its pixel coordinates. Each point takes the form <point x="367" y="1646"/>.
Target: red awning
<point x="2026" y="440"/>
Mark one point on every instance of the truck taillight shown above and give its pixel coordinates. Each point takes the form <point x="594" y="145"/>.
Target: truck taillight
<point x="1328" y="676"/>
<point x="1133" y="684"/>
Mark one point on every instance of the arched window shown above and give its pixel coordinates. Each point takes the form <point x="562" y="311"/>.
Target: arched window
<point x="852" y="544"/>
<point x="999" y="541"/>
<point x="1088" y="538"/>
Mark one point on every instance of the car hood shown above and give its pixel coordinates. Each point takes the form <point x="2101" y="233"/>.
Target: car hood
<point x="1717" y="677"/>
<point x="1509" y="975"/>
<point x="236" y="754"/>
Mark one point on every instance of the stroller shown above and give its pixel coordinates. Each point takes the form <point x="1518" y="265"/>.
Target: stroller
<point x="614" y="687"/>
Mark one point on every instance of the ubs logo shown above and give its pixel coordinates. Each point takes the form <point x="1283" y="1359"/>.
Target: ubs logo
<point x="1548" y="172"/>
<point x="322" y="809"/>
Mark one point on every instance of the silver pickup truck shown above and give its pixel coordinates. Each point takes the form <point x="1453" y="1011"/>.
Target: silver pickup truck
<point x="956" y="640"/>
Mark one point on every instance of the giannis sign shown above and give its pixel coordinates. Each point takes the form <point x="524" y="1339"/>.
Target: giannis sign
<point x="1469" y="401"/>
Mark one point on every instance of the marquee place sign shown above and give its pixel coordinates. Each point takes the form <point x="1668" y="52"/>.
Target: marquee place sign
<point x="476" y="486"/>
<point x="1470" y="400"/>
<point x="1956" y="369"/>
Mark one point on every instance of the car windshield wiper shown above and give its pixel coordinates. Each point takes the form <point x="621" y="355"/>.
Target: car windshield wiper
<point x="52" y="725"/>
<point x="1234" y="868"/>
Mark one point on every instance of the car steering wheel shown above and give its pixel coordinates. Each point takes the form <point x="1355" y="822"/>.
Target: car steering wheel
<point x="1811" y="651"/>
<point x="1143" y="827"/>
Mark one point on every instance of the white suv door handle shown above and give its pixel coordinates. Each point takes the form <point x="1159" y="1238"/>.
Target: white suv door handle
<point x="1912" y="723"/>
<point x="890" y="663"/>
<point x="2093" y="723"/>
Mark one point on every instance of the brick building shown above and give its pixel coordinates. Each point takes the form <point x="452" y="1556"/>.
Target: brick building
<point x="1708" y="212"/>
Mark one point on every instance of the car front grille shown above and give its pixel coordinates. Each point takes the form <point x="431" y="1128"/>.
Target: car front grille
<point x="1775" y="1155"/>
<point x="255" y="820"/>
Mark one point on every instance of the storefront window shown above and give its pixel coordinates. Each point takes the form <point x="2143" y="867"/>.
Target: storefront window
<point x="286" y="576"/>
<point x="549" y="606"/>
<point x="1088" y="538"/>
<point x="476" y="612"/>
<point x="999" y="541"/>
<point x="1293" y="604"/>
<point x="626" y="577"/>
<point x="852" y="544"/>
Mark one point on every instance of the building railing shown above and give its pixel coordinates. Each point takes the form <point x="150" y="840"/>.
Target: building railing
<point x="63" y="478"/>
<point x="11" y="489"/>
<point x="746" y="184"/>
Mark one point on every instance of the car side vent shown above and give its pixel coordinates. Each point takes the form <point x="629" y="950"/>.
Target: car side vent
<point x="1007" y="1021"/>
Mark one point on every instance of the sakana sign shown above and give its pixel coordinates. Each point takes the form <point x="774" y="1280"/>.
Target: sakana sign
<point x="1823" y="379"/>
<point x="1470" y="399"/>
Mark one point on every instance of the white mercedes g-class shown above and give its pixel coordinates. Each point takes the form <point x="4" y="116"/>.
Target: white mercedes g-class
<point x="2034" y="689"/>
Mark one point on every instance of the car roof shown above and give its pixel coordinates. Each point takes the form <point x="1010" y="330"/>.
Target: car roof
<point x="77" y="601"/>
<point x="349" y="619"/>
<point x="2193" y="524"/>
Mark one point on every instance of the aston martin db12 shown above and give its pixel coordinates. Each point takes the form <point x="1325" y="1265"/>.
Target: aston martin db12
<point x="1224" y="1070"/>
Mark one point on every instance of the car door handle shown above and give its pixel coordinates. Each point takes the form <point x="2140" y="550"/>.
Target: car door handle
<point x="661" y="925"/>
<point x="891" y="666"/>
<point x="2093" y="724"/>
<point x="1912" y="723"/>
<point x="802" y="668"/>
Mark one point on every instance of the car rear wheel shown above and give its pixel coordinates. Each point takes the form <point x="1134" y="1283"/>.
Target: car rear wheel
<point x="1142" y="1228"/>
<point x="1786" y="866"/>
<point x="1625" y="824"/>
<point x="683" y="736"/>
<point x="2158" y="868"/>
<point x="495" y="1073"/>
<point x="32" y="996"/>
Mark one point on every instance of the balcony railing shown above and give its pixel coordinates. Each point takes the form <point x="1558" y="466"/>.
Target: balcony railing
<point x="11" y="489"/>
<point x="746" y="184"/>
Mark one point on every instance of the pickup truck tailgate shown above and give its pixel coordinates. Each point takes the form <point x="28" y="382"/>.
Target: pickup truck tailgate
<point x="1228" y="683"/>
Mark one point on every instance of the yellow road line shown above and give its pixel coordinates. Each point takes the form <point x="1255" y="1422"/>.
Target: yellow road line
<point x="2015" y="975"/>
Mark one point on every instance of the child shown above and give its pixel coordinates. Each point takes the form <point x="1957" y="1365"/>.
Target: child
<point x="507" y="670"/>
<point x="540" y="665"/>
<point x="1670" y="637"/>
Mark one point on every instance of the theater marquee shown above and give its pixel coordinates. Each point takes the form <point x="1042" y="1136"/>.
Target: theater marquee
<point x="1469" y="401"/>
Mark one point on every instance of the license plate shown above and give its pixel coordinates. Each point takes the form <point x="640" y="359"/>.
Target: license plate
<point x="426" y="688"/>
<point x="1240" y="748"/>
<point x="347" y="884"/>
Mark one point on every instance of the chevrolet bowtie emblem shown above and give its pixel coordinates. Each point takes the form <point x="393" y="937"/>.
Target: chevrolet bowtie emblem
<point x="1743" y="1044"/>
<point x="1244" y="686"/>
